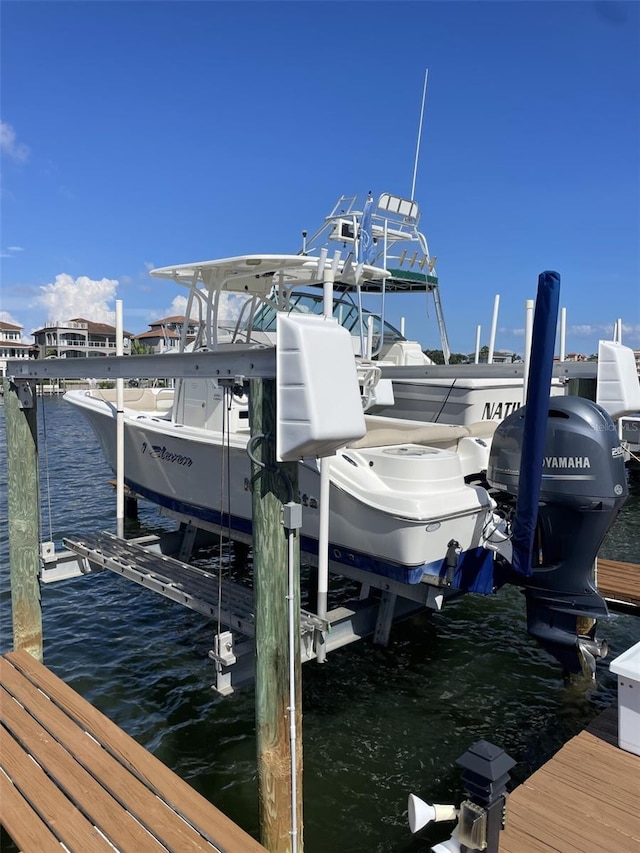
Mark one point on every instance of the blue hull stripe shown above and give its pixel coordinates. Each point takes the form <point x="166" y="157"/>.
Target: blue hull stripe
<point x="474" y="572"/>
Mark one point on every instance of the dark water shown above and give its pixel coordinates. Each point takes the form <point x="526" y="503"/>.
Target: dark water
<point x="378" y="723"/>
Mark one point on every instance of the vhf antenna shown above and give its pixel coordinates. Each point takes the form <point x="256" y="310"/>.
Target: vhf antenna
<point x="415" y="163"/>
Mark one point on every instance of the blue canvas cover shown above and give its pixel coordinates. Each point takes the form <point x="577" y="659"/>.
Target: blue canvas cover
<point x="535" y="419"/>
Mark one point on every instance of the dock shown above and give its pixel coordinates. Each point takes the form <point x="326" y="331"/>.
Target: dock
<point x="619" y="584"/>
<point x="69" y="776"/>
<point x="585" y="798"/>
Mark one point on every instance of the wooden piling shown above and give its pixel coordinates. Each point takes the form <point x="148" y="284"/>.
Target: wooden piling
<point x="24" y="515"/>
<point x="274" y="485"/>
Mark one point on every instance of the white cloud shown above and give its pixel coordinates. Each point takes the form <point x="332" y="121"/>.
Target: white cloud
<point x="10" y="146"/>
<point x="630" y="333"/>
<point x="68" y="297"/>
<point x="604" y="330"/>
<point x="5" y="317"/>
<point x="179" y="306"/>
<point x="585" y="330"/>
<point x="230" y="308"/>
<point x="11" y="251"/>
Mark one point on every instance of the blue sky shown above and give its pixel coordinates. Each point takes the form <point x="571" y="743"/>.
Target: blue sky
<point x="141" y="134"/>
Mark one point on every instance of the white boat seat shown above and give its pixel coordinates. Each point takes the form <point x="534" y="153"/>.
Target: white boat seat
<point x="139" y="399"/>
<point x="482" y="429"/>
<point x="387" y="432"/>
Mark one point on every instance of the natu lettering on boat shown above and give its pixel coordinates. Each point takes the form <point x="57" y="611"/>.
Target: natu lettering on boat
<point x="156" y="451"/>
<point x="492" y="411"/>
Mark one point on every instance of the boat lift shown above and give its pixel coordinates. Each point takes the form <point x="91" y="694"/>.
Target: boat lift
<point x="382" y="600"/>
<point x="152" y="562"/>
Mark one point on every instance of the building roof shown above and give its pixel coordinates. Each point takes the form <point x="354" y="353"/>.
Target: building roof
<point x="179" y="318"/>
<point x="10" y="327"/>
<point x="156" y="333"/>
<point x="4" y="343"/>
<point x="98" y="328"/>
<point x="92" y="328"/>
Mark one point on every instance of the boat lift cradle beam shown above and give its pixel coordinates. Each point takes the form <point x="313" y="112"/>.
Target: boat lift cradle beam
<point x="140" y="561"/>
<point x="233" y="360"/>
<point x="226" y="362"/>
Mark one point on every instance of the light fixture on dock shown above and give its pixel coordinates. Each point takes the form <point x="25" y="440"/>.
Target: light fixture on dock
<point x="421" y="813"/>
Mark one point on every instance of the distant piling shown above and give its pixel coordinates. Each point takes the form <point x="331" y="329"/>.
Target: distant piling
<point x="23" y="498"/>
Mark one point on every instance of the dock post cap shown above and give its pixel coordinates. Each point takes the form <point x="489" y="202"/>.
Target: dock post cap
<point x="486" y="761"/>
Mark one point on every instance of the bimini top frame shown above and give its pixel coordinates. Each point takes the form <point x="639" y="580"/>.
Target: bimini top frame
<point x="263" y="279"/>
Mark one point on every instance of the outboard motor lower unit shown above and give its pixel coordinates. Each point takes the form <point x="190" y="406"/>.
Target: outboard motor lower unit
<point x="583" y="487"/>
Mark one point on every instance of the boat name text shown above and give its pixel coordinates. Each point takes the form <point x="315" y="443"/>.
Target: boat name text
<point x="492" y="411"/>
<point x="156" y="451"/>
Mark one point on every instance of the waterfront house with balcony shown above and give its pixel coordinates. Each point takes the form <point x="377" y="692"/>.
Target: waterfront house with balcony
<point x="165" y="334"/>
<point x="78" y="338"/>
<point x="11" y="345"/>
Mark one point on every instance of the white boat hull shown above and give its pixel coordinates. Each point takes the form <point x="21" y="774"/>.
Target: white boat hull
<point x="459" y="401"/>
<point x="394" y="511"/>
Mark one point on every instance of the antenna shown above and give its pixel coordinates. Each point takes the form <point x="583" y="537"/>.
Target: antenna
<point x="415" y="162"/>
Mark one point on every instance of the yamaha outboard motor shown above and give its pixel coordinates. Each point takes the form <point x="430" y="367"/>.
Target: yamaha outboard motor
<point x="582" y="489"/>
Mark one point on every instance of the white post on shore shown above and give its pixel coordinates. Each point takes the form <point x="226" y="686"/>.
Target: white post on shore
<point x="528" y="334"/>
<point x="494" y="326"/>
<point x="563" y="334"/>
<point x="119" y="428"/>
<point x="619" y="333"/>
<point x="478" y="333"/>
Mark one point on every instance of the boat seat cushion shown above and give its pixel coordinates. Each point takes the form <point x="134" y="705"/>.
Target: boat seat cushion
<point x="387" y="432"/>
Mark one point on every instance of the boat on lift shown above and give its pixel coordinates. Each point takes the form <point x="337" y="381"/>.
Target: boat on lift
<point x="413" y="505"/>
<point x="400" y="496"/>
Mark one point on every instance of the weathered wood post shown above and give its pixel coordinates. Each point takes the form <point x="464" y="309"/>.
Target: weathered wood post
<point x="24" y="514"/>
<point x="274" y="485"/>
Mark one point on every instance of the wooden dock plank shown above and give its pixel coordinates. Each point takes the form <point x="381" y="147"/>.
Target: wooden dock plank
<point x="605" y="726"/>
<point x="24" y="825"/>
<point x="585" y="798"/>
<point x="135" y="797"/>
<point x="608" y="810"/>
<point x="46" y="799"/>
<point x="190" y="822"/>
<point x="618" y="581"/>
<point x="173" y="790"/>
<point x="90" y="777"/>
<point x="538" y="827"/>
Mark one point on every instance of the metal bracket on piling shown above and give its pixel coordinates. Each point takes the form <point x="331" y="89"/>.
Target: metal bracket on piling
<point x="24" y="391"/>
<point x="238" y="384"/>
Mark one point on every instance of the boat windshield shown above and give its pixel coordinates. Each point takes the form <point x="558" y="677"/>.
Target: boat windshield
<point x="344" y="311"/>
